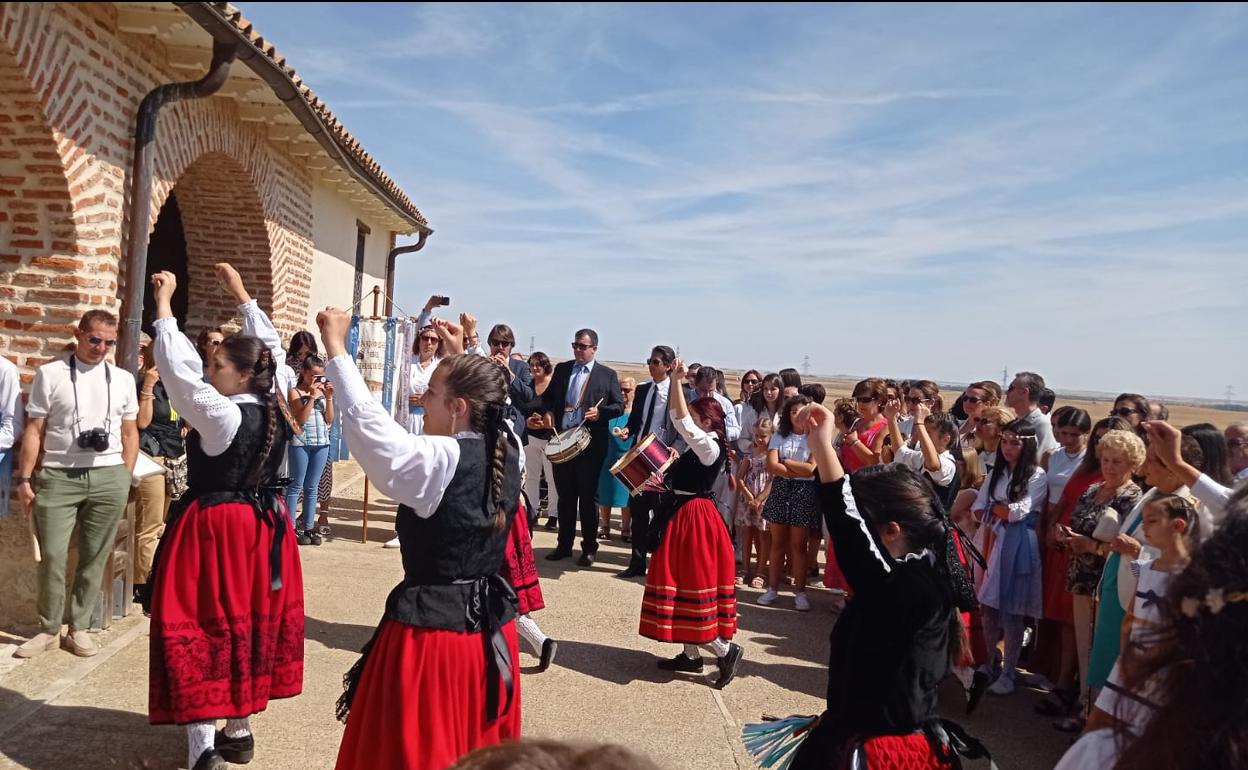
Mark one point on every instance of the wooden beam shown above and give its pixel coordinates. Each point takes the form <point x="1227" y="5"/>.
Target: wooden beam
<point x="140" y="20"/>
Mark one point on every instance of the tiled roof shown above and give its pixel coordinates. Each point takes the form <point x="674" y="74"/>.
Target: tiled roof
<point x="351" y="147"/>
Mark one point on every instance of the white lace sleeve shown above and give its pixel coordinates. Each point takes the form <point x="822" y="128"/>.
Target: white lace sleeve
<point x="213" y="416"/>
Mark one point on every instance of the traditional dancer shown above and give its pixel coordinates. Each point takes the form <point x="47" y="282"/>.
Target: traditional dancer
<point x="520" y="571"/>
<point x="896" y="637"/>
<point x="439" y="677"/>
<point x="690" y="593"/>
<point x="227" y="587"/>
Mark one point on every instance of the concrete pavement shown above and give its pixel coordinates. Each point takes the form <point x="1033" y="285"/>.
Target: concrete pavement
<point x="58" y="712"/>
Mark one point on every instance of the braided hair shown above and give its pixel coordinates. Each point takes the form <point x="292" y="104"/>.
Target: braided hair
<point x="249" y="354"/>
<point x="483" y="385"/>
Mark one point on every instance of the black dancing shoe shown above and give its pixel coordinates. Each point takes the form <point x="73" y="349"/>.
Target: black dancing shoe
<point x="314" y="537"/>
<point x="551" y="524"/>
<point x="210" y="760"/>
<point x="979" y="686"/>
<point x="586" y="560"/>
<point x="301" y="537"/>
<point x="682" y="663"/>
<point x="549" y="648"/>
<point x="728" y="665"/>
<point x="631" y="572"/>
<point x="236" y="751"/>
<point x="556" y="555"/>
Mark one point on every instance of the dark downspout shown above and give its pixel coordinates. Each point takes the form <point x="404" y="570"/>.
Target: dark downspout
<point x="417" y="246"/>
<point x="223" y="55"/>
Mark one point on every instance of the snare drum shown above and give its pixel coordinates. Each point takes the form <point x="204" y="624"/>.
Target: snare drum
<point x="567" y="445"/>
<point x="649" y="456"/>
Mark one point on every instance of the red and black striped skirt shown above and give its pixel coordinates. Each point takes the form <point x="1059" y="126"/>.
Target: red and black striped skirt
<point x="690" y="588"/>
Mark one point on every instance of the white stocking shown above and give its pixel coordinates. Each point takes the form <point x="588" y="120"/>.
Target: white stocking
<point x="719" y="647"/>
<point x="237" y="728"/>
<point x="692" y="652"/>
<point x="530" y="632"/>
<point x="199" y="738"/>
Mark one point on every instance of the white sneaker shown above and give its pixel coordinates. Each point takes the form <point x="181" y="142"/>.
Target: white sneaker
<point x="81" y="644"/>
<point x="1003" y="686"/>
<point x="37" y="644"/>
<point x="801" y="603"/>
<point x="392" y="543"/>
<point x="769" y="597"/>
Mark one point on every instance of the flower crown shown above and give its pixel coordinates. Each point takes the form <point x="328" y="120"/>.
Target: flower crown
<point x="1214" y="600"/>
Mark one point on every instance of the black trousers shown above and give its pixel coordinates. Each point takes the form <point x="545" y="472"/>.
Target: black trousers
<point x="641" y="509"/>
<point x="577" y="483"/>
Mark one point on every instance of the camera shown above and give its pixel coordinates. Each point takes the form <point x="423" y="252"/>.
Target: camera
<point x="320" y="378"/>
<point x="96" y="438"/>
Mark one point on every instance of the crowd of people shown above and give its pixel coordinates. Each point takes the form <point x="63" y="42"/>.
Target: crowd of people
<point x="979" y="533"/>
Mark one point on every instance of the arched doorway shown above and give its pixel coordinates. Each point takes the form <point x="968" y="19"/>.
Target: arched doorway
<point x="166" y="250"/>
<point x="213" y="214"/>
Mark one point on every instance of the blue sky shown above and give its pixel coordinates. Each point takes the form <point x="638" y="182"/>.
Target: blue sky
<point x="923" y="191"/>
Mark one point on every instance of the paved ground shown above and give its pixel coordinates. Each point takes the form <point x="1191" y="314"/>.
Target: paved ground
<point x="58" y="712"/>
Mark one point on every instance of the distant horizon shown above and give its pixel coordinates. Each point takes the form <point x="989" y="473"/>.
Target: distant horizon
<point x="1076" y="392"/>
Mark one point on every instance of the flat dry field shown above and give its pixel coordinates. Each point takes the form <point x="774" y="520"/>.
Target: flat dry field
<point x="1180" y="414"/>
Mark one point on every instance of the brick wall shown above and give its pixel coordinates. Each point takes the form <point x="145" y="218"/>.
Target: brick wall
<point x="70" y="86"/>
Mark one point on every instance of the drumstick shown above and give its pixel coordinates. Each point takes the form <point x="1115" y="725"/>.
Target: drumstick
<point x="595" y="406"/>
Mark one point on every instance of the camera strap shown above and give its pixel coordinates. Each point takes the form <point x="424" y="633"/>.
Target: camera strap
<point x="108" y="382"/>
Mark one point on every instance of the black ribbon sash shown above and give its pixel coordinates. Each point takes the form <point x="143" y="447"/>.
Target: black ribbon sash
<point x="487" y="604"/>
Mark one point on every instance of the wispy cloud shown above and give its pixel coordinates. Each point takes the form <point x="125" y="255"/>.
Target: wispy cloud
<point x="901" y="190"/>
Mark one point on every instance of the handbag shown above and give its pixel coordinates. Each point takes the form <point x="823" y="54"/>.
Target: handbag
<point x="176" y="482"/>
<point x="1107" y="527"/>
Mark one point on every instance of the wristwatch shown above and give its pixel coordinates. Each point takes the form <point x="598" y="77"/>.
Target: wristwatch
<point x="19" y="480"/>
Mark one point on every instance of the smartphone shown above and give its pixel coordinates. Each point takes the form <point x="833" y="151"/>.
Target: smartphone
<point x="444" y="301"/>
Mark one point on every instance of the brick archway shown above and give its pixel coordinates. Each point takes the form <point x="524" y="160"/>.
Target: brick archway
<point x="42" y="274"/>
<point x="223" y="220"/>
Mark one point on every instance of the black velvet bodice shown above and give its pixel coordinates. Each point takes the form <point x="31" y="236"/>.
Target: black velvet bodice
<point x="230" y="470"/>
<point x="451" y="558"/>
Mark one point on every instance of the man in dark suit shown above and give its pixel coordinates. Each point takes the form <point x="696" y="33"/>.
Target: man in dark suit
<point x="524" y="400"/>
<point x="650" y="415"/>
<point x="581" y="390"/>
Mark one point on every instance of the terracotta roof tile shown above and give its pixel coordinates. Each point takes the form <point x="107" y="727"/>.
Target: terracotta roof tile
<point x="343" y="138"/>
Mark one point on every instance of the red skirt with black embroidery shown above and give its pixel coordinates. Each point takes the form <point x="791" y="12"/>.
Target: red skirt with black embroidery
<point x="222" y="643"/>
<point x="691" y="596"/>
<point x="519" y="568"/>
<point x="902" y="752"/>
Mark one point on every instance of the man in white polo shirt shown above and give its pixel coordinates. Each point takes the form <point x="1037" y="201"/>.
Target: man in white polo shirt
<point x="81" y="415"/>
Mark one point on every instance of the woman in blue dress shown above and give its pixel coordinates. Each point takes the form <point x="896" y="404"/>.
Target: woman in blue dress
<point x="611" y="493"/>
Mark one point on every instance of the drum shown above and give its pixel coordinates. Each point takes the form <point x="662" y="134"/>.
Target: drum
<point x="634" y="468"/>
<point x="567" y="445"/>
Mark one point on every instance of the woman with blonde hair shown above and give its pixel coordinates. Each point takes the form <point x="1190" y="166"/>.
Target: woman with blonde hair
<point x="1093" y="526"/>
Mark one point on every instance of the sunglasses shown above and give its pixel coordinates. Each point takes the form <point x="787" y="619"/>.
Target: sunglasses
<point x="749" y="382"/>
<point x="104" y="342"/>
<point x="428" y="339"/>
<point x="864" y="399"/>
<point x="500" y="343"/>
<point x="1125" y="412"/>
<point x="1237" y="442"/>
<point x="972" y="400"/>
<point x="916" y="401"/>
<point x="657" y="362"/>
<point x="581" y="346"/>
